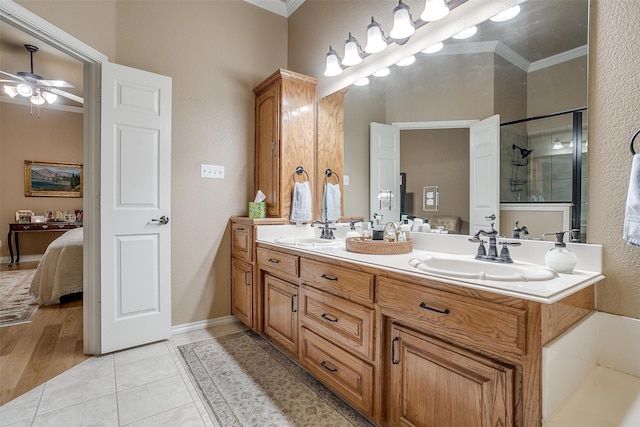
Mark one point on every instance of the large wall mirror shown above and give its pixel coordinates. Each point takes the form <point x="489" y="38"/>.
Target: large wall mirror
<point x="531" y="66"/>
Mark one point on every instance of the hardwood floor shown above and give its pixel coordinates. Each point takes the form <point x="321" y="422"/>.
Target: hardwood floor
<point x="33" y="353"/>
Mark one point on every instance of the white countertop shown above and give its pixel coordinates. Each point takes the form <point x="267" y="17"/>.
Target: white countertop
<point x="425" y="245"/>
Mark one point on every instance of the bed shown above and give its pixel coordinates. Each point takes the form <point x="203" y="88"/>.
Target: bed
<point x="60" y="271"/>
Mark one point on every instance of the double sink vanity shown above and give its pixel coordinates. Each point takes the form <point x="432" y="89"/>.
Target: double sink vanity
<point x="431" y="337"/>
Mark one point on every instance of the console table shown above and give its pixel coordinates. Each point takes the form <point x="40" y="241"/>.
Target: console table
<point x="35" y="227"/>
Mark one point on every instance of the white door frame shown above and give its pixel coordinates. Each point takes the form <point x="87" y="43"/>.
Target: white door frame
<point x="34" y="25"/>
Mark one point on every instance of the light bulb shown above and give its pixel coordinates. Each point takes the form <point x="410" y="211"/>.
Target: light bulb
<point x="465" y="34"/>
<point x="434" y="10"/>
<point x="333" y="64"/>
<point x="505" y="15"/>
<point x="406" y="61"/>
<point x="437" y="47"/>
<point x="11" y="91"/>
<point x="375" y="38"/>
<point x="36" y="99"/>
<point x="362" y="82"/>
<point x="402" y="25"/>
<point x="351" y="52"/>
<point x="382" y="72"/>
<point x="49" y="97"/>
<point x="24" y="89"/>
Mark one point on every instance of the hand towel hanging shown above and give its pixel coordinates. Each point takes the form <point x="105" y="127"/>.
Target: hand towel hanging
<point x="301" y="202"/>
<point x="631" y="230"/>
<point x="331" y="202"/>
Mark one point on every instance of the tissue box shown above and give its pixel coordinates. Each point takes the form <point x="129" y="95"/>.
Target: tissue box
<point x="257" y="210"/>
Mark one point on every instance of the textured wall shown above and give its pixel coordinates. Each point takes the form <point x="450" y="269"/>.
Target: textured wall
<point x="614" y="115"/>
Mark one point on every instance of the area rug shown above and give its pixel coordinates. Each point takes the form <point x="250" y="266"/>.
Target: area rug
<point x="246" y="382"/>
<point x="16" y="304"/>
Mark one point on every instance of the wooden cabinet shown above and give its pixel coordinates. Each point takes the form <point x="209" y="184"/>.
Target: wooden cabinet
<point x="246" y="294"/>
<point x="281" y="312"/>
<point x="285" y="136"/>
<point x="436" y="384"/>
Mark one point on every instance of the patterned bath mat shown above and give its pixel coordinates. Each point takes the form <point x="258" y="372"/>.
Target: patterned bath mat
<point x="16" y="304"/>
<point x="246" y="382"/>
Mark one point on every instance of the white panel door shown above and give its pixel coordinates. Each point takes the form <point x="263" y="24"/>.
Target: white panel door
<point x="135" y="207"/>
<point x="384" y="182"/>
<point x="484" y="174"/>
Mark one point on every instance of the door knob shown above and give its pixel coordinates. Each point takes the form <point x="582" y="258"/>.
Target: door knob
<point x="162" y="220"/>
<point x="491" y="217"/>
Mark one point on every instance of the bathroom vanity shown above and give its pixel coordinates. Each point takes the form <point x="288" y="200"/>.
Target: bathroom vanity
<point x="406" y="347"/>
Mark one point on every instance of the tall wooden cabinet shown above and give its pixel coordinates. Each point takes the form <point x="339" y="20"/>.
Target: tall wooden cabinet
<point x="285" y="136"/>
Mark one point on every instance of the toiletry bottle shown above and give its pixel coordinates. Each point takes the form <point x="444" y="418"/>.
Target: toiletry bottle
<point x="417" y="222"/>
<point x="425" y="227"/>
<point x="559" y="258"/>
<point x="405" y="230"/>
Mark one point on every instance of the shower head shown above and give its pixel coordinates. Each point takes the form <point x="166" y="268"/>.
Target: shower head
<point x="524" y="153"/>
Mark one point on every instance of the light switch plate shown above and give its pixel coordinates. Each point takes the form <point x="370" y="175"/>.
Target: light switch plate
<point x="345" y="178"/>
<point x="211" y="171"/>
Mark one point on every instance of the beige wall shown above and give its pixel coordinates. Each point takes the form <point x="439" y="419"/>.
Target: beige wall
<point x="56" y="136"/>
<point x="215" y="52"/>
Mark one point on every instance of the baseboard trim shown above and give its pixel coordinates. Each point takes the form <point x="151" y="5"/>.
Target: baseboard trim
<point x="204" y="324"/>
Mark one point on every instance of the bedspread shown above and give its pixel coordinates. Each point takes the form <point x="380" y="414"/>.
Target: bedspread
<point x="60" y="271"/>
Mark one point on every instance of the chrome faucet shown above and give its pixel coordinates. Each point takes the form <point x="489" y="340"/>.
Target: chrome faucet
<point x="326" y="231"/>
<point x="492" y="256"/>
<point x="517" y="230"/>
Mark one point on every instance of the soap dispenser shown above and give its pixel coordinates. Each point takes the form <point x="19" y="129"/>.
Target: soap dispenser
<point x="559" y="258"/>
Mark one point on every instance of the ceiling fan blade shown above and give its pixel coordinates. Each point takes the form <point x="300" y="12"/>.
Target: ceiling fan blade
<point x="55" y="83"/>
<point x="67" y="95"/>
<point x="12" y="76"/>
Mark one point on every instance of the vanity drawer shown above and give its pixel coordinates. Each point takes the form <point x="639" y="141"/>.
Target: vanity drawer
<point x="343" y="322"/>
<point x="241" y="241"/>
<point x="462" y="319"/>
<point x="349" y="376"/>
<point x="277" y="262"/>
<point x="342" y="281"/>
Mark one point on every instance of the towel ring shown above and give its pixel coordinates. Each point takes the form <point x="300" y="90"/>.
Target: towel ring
<point x="299" y="171"/>
<point x="328" y="173"/>
<point x="635" y="135"/>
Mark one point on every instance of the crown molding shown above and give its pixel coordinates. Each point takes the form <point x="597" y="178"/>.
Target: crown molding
<point x="559" y="58"/>
<point x="283" y="8"/>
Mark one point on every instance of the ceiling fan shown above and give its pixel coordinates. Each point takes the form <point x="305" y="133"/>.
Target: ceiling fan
<point x="35" y="87"/>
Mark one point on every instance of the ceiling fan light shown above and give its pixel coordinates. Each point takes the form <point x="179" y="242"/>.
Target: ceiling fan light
<point x="375" y="38"/>
<point x="406" y="61"/>
<point x="49" y="97"/>
<point x="557" y="144"/>
<point x="11" y="91"/>
<point x="352" y="52"/>
<point x="507" y="14"/>
<point x="333" y="67"/>
<point x="24" y="89"/>
<point x="37" y="99"/>
<point x="437" y="47"/>
<point x="362" y="82"/>
<point x="434" y="10"/>
<point x="402" y="24"/>
<point x="465" y="34"/>
<point x="383" y="72"/>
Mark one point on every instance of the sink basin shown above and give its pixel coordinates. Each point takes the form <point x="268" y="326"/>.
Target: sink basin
<point x="307" y="241"/>
<point x="470" y="268"/>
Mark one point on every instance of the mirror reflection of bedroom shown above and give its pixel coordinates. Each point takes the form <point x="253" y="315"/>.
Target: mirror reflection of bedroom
<point x="41" y="155"/>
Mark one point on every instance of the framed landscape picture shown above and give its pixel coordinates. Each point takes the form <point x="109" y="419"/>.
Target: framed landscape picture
<point x="42" y="179"/>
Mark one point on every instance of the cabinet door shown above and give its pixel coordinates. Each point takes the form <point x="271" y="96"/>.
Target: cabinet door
<point x="242" y="291"/>
<point x="242" y="241"/>
<point x="267" y="163"/>
<point x="281" y="312"/>
<point x="436" y="384"/>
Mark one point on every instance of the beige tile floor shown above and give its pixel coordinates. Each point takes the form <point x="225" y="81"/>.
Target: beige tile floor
<point x="143" y="386"/>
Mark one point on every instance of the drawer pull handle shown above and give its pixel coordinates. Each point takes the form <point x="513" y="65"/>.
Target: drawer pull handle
<point x="325" y="316"/>
<point x="393" y="350"/>
<point x="426" y="307"/>
<point x="294" y="309"/>
<point x="324" y="276"/>
<point x="327" y="367"/>
<point x="246" y="282"/>
<point x="26" y="227"/>
<point x="239" y="229"/>
<point x="275" y="261"/>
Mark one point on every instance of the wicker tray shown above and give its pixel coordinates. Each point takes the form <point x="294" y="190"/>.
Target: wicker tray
<point x="378" y="247"/>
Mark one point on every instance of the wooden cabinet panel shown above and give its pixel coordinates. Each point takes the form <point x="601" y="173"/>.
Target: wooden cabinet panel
<point x="478" y="324"/>
<point x="349" y="376"/>
<point x="434" y="384"/>
<point x="350" y="284"/>
<point x="242" y="289"/>
<point x="278" y="263"/>
<point x="281" y="312"/>
<point x="267" y="170"/>
<point x="345" y="323"/>
<point x="242" y="241"/>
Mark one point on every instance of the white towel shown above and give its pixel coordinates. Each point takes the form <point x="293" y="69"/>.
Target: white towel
<point x="631" y="231"/>
<point x="301" y="202"/>
<point x="331" y="202"/>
